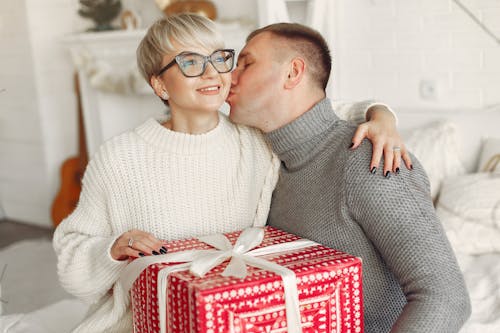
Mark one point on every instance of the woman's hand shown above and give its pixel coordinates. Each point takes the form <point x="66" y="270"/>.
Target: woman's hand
<point x="135" y="243"/>
<point x="382" y="132"/>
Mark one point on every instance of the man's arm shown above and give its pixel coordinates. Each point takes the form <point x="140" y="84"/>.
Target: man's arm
<point x="397" y="215"/>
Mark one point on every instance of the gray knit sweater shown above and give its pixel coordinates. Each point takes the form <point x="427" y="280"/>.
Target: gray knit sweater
<point x="411" y="279"/>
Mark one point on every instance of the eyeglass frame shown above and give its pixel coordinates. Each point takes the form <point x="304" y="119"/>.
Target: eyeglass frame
<point x="206" y="59"/>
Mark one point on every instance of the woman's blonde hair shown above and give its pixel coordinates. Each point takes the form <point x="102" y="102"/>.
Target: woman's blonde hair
<point x="183" y="29"/>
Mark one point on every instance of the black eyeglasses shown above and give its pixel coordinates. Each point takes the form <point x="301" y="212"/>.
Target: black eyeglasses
<point x="193" y="64"/>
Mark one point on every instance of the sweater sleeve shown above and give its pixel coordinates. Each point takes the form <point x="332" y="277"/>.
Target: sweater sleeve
<point x="397" y="215"/>
<point x="83" y="240"/>
<point x="270" y="181"/>
<point x="355" y="113"/>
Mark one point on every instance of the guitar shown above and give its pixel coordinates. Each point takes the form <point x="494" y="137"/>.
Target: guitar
<point x="71" y="171"/>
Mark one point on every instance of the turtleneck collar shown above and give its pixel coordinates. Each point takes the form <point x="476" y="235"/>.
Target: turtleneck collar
<point x="153" y="132"/>
<point x="295" y="142"/>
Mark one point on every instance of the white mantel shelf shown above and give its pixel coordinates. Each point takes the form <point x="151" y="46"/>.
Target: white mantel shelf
<point x="112" y="35"/>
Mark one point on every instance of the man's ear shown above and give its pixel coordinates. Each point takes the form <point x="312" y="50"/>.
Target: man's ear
<point x="296" y="72"/>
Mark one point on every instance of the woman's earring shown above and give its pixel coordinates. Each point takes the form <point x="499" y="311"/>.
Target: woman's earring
<point x="164" y="95"/>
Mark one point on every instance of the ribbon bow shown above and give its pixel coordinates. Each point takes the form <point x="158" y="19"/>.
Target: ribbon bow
<point x="248" y="239"/>
<point x="199" y="262"/>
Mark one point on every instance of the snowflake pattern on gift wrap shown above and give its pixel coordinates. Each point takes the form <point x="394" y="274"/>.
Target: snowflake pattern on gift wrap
<point x="328" y="281"/>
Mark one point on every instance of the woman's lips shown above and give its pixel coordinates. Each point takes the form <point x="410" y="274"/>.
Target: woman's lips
<point x="210" y="90"/>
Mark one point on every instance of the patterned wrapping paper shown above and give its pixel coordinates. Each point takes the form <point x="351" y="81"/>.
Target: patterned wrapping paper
<point x="329" y="285"/>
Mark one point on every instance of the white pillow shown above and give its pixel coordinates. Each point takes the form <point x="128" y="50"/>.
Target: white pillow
<point x="490" y="155"/>
<point x="436" y="147"/>
<point x="469" y="208"/>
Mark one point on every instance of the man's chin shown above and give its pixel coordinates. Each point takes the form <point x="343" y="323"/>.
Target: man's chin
<point x="234" y="117"/>
<point x="234" y="113"/>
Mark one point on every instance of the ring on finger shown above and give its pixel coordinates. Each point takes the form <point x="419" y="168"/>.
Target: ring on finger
<point x="396" y="148"/>
<point x="130" y="242"/>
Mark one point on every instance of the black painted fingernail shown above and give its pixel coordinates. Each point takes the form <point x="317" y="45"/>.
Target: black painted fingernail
<point x="397" y="171"/>
<point x="162" y="251"/>
<point x="373" y="170"/>
<point x="141" y="254"/>
<point x="155" y="253"/>
<point x="387" y="174"/>
<point x="411" y="166"/>
<point x="352" y="145"/>
<point x="163" y="247"/>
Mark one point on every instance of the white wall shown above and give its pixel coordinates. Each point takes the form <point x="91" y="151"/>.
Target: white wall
<point x="38" y="111"/>
<point x="383" y="49"/>
<point x="23" y="181"/>
<point x="387" y="48"/>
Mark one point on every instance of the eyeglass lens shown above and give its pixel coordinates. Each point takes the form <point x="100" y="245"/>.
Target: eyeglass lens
<point x="194" y="64"/>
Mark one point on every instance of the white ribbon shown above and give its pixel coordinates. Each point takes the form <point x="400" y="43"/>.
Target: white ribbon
<point x="199" y="262"/>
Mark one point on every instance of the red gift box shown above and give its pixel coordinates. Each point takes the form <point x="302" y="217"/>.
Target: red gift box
<point x="328" y="283"/>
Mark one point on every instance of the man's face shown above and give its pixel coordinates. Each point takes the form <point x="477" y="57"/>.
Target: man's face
<point x="256" y="82"/>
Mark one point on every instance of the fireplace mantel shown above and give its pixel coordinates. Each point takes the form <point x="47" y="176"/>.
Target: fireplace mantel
<point x="114" y="96"/>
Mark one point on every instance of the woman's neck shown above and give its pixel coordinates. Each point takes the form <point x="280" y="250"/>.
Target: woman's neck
<point x="192" y="125"/>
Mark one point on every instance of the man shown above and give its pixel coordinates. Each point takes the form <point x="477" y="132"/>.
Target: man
<point x="412" y="282"/>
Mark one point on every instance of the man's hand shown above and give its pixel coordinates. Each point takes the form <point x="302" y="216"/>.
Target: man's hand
<point x="381" y="130"/>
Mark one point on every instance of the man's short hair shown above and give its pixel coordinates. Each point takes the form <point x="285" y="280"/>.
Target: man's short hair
<point x="308" y="43"/>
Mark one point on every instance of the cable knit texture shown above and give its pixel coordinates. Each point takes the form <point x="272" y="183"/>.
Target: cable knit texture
<point x="411" y="282"/>
<point x="170" y="184"/>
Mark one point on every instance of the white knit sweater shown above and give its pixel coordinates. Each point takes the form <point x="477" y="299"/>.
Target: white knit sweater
<point x="173" y="185"/>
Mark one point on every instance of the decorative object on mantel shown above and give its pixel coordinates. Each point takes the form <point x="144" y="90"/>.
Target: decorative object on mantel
<point x="102" y="12"/>
<point x="200" y="7"/>
<point x="129" y="20"/>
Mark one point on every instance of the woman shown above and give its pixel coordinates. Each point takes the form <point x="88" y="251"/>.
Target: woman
<point x="192" y="173"/>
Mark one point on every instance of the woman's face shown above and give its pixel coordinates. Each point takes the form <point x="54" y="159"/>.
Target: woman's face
<point x="192" y="95"/>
